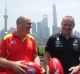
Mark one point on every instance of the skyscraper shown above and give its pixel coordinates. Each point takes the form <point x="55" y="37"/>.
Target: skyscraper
<point x="54" y="16"/>
<point x="55" y="28"/>
<point x="43" y="30"/>
<point x="39" y="32"/>
<point x="5" y="18"/>
<point x="34" y="31"/>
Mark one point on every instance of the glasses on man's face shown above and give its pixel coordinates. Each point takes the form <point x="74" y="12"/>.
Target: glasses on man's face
<point x="29" y="23"/>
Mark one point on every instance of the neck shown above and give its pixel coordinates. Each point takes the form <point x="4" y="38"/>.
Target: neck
<point x="66" y="36"/>
<point x="20" y="35"/>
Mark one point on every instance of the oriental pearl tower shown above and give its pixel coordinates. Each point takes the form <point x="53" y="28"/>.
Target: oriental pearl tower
<point x="5" y="19"/>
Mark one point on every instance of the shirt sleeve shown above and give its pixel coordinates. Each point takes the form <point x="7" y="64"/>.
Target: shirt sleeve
<point x="49" y="45"/>
<point x="3" y="48"/>
<point x="35" y="49"/>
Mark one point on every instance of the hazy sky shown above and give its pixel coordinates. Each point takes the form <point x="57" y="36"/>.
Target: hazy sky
<point x="35" y="9"/>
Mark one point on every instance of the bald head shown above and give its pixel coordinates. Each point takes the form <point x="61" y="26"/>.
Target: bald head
<point x="22" y="20"/>
<point x="23" y="25"/>
<point x="68" y="19"/>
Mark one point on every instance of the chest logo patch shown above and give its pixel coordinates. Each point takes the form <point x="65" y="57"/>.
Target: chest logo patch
<point x="58" y="43"/>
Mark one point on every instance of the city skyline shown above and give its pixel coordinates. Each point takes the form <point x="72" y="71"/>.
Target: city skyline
<point x="37" y="8"/>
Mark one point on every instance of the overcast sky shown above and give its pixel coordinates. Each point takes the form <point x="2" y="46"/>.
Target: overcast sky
<point x="35" y="9"/>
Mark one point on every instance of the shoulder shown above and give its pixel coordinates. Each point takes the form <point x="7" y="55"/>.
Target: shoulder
<point x="55" y="36"/>
<point x="7" y="36"/>
<point x="76" y="37"/>
<point x="30" y="36"/>
<point x="52" y="38"/>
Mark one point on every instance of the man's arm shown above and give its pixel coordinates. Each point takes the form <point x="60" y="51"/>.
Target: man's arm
<point x="37" y="61"/>
<point x="16" y="66"/>
<point x="46" y="61"/>
<point x="75" y="69"/>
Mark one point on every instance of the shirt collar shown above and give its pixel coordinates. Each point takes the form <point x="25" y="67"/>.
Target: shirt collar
<point x="14" y="34"/>
<point x="71" y="36"/>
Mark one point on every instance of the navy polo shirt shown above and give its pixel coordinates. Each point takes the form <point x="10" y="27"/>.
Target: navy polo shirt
<point x="66" y="50"/>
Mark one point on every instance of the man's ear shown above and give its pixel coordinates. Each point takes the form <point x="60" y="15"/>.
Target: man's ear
<point x="73" y="25"/>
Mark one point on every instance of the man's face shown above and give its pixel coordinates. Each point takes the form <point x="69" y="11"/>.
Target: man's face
<point x="27" y="27"/>
<point x="67" y="27"/>
<point x="24" y="27"/>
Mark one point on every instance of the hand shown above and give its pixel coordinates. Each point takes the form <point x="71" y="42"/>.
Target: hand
<point x="43" y="71"/>
<point x="47" y="72"/>
<point x="75" y="69"/>
<point x="19" y="68"/>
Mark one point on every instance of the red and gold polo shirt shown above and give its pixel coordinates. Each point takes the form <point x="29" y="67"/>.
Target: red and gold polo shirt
<point x="16" y="49"/>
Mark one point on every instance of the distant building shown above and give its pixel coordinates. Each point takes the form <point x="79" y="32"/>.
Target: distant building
<point x="55" y="28"/>
<point x="76" y="33"/>
<point x="12" y="29"/>
<point x="43" y="31"/>
<point x="5" y="18"/>
<point x="34" y="29"/>
<point x="39" y="32"/>
<point x="3" y="32"/>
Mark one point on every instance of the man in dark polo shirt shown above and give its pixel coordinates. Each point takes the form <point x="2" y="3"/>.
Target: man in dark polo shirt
<point x="65" y="46"/>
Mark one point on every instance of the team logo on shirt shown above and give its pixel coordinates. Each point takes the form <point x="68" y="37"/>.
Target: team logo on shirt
<point x="13" y="42"/>
<point x="31" y="70"/>
<point x="29" y="43"/>
<point x="58" y="43"/>
<point x="75" y="44"/>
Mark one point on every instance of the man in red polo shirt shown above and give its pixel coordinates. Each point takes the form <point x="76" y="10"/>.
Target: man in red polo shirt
<point x="18" y="47"/>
